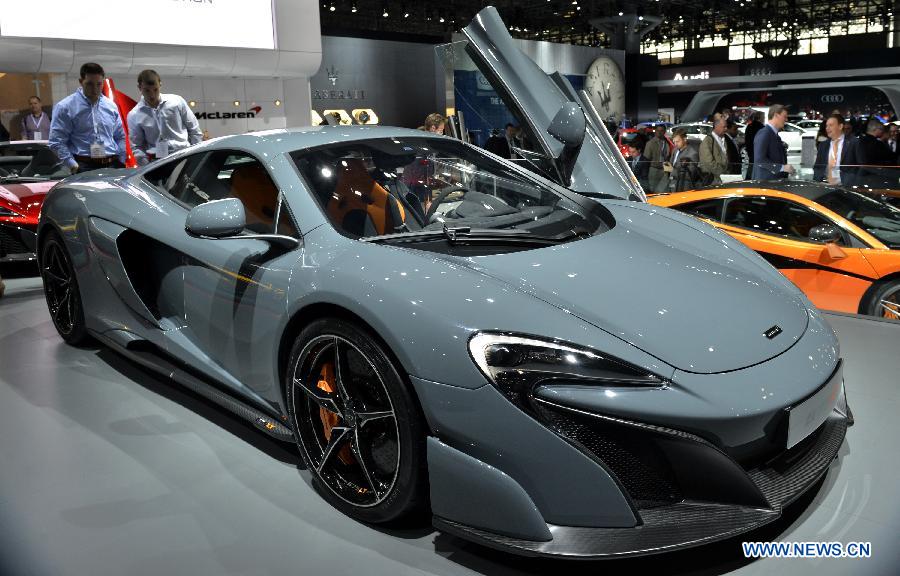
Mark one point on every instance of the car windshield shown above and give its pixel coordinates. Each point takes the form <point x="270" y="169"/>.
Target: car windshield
<point x="879" y="219"/>
<point x="30" y="161"/>
<point x="403" y="186"/>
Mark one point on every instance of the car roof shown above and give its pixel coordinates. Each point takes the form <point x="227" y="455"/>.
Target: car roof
<point x="290" y="139"/>
<point x="805" y="189"/>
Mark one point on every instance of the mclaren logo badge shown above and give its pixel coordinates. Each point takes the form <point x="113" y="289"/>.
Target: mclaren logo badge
<point x="773" y="331"/>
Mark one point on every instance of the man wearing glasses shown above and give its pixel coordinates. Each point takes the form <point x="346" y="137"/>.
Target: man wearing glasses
<point x="160" y="123"/>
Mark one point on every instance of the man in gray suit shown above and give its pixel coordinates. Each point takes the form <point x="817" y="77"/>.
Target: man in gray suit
<point x="713" y="152"/>
<point x="658" y="151"/>
<point x="685" y="162"/>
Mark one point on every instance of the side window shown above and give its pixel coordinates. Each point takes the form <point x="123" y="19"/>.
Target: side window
<point x="286" y="225"/>
<point x="159" y="176"/>
<point x="709" y="209"/>
<point x="176" y="178"/>
<point x="224" y="174"/>
<point x="773" y="216"/>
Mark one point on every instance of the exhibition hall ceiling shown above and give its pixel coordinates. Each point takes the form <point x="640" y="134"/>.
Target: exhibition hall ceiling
<point x="569" y="20"/>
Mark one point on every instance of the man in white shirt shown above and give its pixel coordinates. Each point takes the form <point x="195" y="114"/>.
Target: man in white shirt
<point x="160" y="123"/>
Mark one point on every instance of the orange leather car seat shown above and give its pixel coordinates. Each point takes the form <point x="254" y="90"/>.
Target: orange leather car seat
<point x="252" y="185"/>
<point x="360" y="205"/>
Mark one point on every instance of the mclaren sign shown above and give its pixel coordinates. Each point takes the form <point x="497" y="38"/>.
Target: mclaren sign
<point x="251" y="113"/>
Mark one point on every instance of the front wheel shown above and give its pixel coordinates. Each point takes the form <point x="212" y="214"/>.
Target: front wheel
<point x="357" y="425"/>
<point x="885" y="301"/>
<point x="61" y="290"/>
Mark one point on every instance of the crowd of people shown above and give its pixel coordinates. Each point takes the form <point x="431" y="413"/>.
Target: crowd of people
<point x="870" y="158"/>
<point x="662" y="165"/>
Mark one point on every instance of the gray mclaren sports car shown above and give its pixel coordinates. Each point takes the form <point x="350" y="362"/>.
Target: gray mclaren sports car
<point x="539" y="359"/>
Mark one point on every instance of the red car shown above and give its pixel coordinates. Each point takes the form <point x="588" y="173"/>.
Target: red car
<point x="28" y="169"/>
<point x="626" y="137"/>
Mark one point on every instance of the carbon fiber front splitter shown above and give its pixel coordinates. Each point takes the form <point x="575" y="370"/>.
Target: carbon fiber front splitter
<point x="683" y="524"/>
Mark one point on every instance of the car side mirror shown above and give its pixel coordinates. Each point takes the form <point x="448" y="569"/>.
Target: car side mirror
<point x="225" y="219"/>
<point x="216" y="219"/>
<point x="568" y="127"/>
<point x="824" y="234"/>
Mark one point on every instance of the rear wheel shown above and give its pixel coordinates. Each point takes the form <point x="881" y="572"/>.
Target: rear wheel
<point x="885" y="301"/>
<point x="61" y="290"/>
<point x="357" y="426"/>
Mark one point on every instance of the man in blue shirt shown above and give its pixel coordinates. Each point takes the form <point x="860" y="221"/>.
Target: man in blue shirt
<point x="86" y="131"/>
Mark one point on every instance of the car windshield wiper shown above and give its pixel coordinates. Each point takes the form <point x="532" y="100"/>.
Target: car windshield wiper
<point x="465" y="235"/>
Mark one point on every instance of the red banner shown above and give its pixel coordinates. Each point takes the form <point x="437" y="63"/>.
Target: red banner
<point x="124" y="104"/>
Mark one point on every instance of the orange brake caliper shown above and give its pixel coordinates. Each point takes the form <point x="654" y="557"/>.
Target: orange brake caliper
<point x="329" y="418"/>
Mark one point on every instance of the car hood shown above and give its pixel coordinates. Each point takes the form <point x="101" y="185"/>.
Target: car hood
<point x="683" y="295"/>
<point x="26" y="199"/>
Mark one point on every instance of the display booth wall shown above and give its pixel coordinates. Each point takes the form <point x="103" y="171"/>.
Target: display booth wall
<point x="482" y="108"/>
<point x="215" y="74"/>
<point x="395" y="79"/>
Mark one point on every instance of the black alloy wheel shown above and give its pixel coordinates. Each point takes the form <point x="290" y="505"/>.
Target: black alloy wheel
<point x="61" y="290"/>
<point x="357" y="426"/>
<point x="885" y="301"/>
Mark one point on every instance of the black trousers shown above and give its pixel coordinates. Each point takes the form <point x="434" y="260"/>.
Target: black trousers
<point x="86" y="166"/>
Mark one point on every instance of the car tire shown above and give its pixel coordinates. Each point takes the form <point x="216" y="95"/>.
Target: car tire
<point x="884" y="300"/>
<point x="368" y="464"/>
<point x="61" y="290"/>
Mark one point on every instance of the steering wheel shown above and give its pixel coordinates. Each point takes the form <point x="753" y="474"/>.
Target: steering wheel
<point x="441" y="197"/>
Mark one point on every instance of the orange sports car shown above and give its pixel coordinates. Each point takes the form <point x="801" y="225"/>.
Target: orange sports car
<point x="840" y="247"/>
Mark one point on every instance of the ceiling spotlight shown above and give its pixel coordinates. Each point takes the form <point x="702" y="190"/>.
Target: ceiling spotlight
<point x="441" y="19"/>
<point x="384" y="13"/>
<point x="406" y="14"/>
<point x="237" y="102"/>
<point x="331" y="8"/>
<point x="621" y="13"/>
<point x="192" y="103"/>
<point x="278" y="102"/>
<point x="353" y="7"/>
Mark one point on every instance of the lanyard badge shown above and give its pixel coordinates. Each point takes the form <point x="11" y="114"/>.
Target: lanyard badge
<point x="98" y="150"/>
<point x="162" y="145"/>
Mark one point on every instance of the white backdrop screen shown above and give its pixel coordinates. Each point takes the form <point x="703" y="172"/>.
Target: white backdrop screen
<point x="229" y="23"/>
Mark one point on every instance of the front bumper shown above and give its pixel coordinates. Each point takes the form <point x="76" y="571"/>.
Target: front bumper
<point x="17" y="242"/>
<point x="686" y="523"/>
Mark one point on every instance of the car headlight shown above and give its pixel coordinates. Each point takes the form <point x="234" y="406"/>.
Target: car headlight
<point x="7" y="212"/>
<point x="516" y="364"/>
